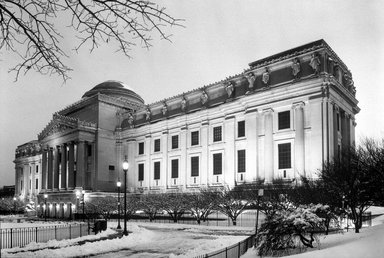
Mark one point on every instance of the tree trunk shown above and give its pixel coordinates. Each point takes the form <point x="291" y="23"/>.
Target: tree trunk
<point x="234" y="222"/>
<point x="198" y="221"/>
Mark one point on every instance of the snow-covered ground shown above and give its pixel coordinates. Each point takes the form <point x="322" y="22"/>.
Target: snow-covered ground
<point x="369" y="243"/>
<point x="145" y="240"/>
<point x="180" y="240"/>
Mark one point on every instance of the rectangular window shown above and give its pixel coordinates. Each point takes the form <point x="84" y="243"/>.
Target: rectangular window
<point x="217" y="134"/>
<point x="175" y="142"/>
<point x="284" y="155"/>
<point x="175" y="168"/>
<point x="37" y="168"/>
<point x="195" y="138"/>
<point x="284" y="120"/>
<point x="141" y="172"/>
<point x="111" y="168"/>
<point x="89" y="150"/>
<point x="21" y="185"/>
<point x="141" y="148"/>
<point x="156" y="170"/>
<point x="194" y="166"/>
<point x="157" y="145"/>
<point x="241" y="129"/>
<point x="37" y="183"/>
<point x="30" y="184"/>
<point x="338" y="121"/>
<point x="241" y="161"/>
<point x="217" y="164"/>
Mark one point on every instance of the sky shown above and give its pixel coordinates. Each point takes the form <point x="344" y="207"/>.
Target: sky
<point x="219" y="39"/>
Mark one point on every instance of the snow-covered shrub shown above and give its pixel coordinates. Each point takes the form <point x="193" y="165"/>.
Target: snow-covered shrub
<point x="287" y="227"/>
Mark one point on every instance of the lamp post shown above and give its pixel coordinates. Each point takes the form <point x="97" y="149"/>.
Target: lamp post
<point x="260" y="194"/>
<point x="45" y="206"/>
<point x="118" y="204"/>
<point x="125" y="169"/>
<point x="83" y="193"/>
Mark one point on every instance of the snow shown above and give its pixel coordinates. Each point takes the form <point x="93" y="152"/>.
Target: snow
<point x="144" y="240"/>
<point x="182" y="240"/>
<point x="368" y="243"/>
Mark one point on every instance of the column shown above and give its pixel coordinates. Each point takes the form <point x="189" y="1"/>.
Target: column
<point x="184" y="176"/>
<point x="252" y="145"/>
<point x="344" y="128"/>
<point x="205" y="174"/>
<point x="299" y="140"/>
<point x="229" y="169"/>
<point x="148" y="176"/>
<point x="63" y="166"/>
<point x="348" y="129"/>
<point x="71" y="163"/>
<point x="44" y="169"/>
<point x="335" y="133"/>
<point x="80" y="164"/>
<point x="165" y="176"/>
<point x="268" y="145"/>
<point x="50" y="169"/>
<point x="132" y="174"/>
<point x="56" y="171"/>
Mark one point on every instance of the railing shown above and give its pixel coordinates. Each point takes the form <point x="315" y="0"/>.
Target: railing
<point x="232" y="251"/>
<point x="19" y="237"/>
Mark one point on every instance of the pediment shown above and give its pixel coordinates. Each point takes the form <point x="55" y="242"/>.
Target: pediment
<point x="56" y="125"/>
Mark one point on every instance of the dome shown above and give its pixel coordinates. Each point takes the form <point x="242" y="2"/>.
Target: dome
<point x="115" y="89"/>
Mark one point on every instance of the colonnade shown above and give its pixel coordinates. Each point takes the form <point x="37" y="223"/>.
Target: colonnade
<point x="64" y="166"/>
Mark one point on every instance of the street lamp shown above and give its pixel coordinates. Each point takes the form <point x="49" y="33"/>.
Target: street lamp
<point x="118" y="204"/>
<point x="260" y="194"/>
<point x="45" y="206"/>
<point x="125" y="169"/>
<point x="83" y="192"/>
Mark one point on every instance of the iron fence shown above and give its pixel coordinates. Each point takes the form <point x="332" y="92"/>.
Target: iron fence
<point x="19" y="237"/>
<point x="233" y="251"/>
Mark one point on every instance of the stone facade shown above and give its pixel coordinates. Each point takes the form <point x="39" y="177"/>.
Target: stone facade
<point x="281" y="118"/>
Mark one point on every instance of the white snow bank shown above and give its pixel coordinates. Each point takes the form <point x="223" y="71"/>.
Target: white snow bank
<point x="368" y="244"/>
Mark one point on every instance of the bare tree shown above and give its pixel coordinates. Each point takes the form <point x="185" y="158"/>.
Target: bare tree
<point x="104" y="207"/>
<point x="174" y="204"/>
<point x="28" y="29"/>
<point x="232" y="203"/>
<point x="352" y="177"/>
<point x="151" y="204"/>
<point x="201" y="204"/>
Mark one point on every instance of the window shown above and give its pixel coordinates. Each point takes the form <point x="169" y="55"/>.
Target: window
<point x="37" y="184"/>
<point x="338" y="121"/>
<point x="195" y="138"/>
<point x="37" y="168"/>
<point x="157" y="145"/>
<point x="217" y="164"/>
<point x="141" y="148"/>
<point x="89" y="150"/>
<point x="21" y="185"/>
<point x="175" y="168"/>
<point x="111" y="168"/>
<point x="194" y="166"/>
<point x="217" y="134"/>
<point x="141" y="172"/>
<point x="240" y="161"/>
<point x="156" y="170"/>
<point x="175" y="142"/>
<point x="284" y="120"/>
<point x="284" y="155"/>
<point x="30" y="184"/>
<point x="241" y="129"/>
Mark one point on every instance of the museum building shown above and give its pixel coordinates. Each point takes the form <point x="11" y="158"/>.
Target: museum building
<point x="281" y="118"/>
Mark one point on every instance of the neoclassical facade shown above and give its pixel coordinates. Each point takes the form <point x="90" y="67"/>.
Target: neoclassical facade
<point x="283" y="117"/>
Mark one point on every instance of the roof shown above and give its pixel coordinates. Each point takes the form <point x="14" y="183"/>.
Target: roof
<point x="115" y="89"/>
